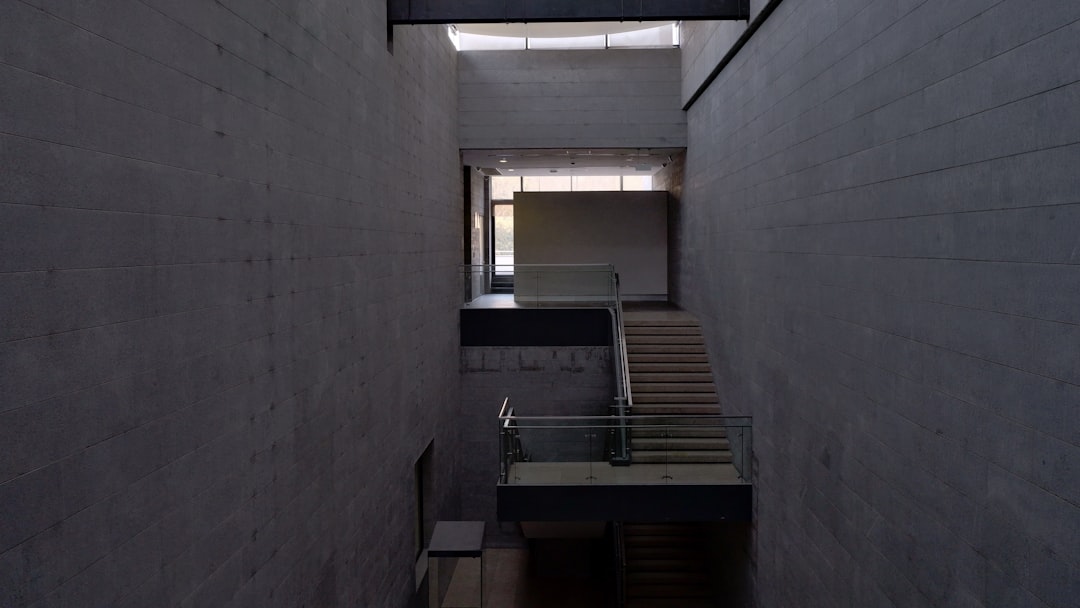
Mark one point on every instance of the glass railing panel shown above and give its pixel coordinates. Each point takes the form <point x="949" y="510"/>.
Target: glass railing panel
<point x="541" y="284"/>
<point x="663" y="449"/>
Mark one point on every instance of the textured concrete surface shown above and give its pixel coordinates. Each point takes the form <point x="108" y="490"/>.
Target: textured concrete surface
<point x="879" y="229"/>
<point x="571" y="99"/>
<point x="228" y="289"/>
<point x="705" y="43"/>
<point x="540" y="381"/>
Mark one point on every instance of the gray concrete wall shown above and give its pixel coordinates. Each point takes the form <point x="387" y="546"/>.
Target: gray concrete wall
<point x="478" y="231"/>
<point x="705" y="43"/>
<point x="229" y="238"/>
<point x="540" y="381"/>
<point x="879" y="230"/>
<point x="571" y="99"/>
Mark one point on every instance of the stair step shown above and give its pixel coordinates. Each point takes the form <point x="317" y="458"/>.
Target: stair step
<point x="632" y="320"/>
<point x="645" y="358"/>
<point x="654" y="339"/>
<point x="667" y="349"/>
<point x="665" y="367"/>
<point x="651" y="577"/>
<point x="680" y="443"/>
<point x="672" y="387"/>
<point x="662" y="552"/>
<point x="636" y="529"/>
<point x="646" y="397"/>
<point x="681" y="457"/>
<point x="670" y="376"/>
<point x="666" y="565"/>
<point x="659" y="602"/>
<point x="678" y="411"/>
<point x="662" y="330"/>
<point x="662" y="540"/>
<point x="667" y="591"/>
<point x="681" y="431"/>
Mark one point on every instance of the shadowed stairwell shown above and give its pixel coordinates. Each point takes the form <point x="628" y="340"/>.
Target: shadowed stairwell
<point x="667" y="565"/>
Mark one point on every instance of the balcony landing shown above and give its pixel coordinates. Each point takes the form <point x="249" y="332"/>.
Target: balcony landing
<point x="560" y="473"/>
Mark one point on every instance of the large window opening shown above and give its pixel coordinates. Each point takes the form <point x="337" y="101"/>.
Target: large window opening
<point x="563" y="36"/>
<point x="503" y="215"/>
<point x="502" y="203"/>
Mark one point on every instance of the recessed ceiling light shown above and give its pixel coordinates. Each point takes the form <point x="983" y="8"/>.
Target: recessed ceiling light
<point x="510" y="170"/>
<point x="502" y="160"/>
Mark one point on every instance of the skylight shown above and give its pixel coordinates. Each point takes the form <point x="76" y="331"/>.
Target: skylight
<point x="551" y="36"/>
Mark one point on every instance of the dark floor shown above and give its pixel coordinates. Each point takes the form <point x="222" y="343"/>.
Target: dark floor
<point x="509" y="584"/>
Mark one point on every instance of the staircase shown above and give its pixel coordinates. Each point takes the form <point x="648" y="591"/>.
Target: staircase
<point x="502" y="283"/>
<point x="666" y="566"/>
<point x="670" y="374"/>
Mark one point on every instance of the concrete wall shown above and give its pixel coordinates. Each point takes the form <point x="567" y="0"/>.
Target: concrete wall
<point x="705" y="43"/>
<point x="670" y="180"/>
<point x="571" y="99"/>
<point x="228" y="289"/>
<point x="479" y="229"/>
<point x="540" y="381"/>
<point x="879" y="230"/>
<point x="626" y="229"/>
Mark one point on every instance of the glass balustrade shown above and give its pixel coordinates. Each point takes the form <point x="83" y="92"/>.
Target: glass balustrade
<point x="534" y="285"/>
<point x="669" y="449"/>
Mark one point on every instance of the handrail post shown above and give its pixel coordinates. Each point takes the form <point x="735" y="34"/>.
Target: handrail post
<point x="623" y="397"/>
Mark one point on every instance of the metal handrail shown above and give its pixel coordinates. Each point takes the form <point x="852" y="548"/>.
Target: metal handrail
<point x="748" y="419"/>
<point x="543" y="275"/>
<point x="508" y="435"/>
<point x="739" y="433"/>
<point x="624" y="401"/>
<point x="583" y="267"/>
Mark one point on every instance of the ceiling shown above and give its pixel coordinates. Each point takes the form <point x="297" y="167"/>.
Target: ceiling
<point x="595" y="161"/>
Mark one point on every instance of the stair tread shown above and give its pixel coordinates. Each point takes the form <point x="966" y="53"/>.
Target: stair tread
<point x="632" y="320"/>
<point x="683" y="398"/>
<point x="667" y="591"/>
<point x="683" y="457"/>
<point x="664" y="339"/>
<point x="665" y="349"/>
<point x="683" y="410"/>
<point x="661" y="552"/>
<point x="651" y="577"/>
<point x="646" y="358"/>
<point x="649" y="602"/>
<point x="712" y="432"/>
<point x="681" y="443"/>
<point x="671" y="376"/>
<point x="662" y="330"/>
<point x="673" y="387"/>
<point x="672" y="370"/>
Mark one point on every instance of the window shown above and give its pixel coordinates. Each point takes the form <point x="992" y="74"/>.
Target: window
<point x="545" y="183"/>
<point x="539" y="36"/>
<point x="596" y="183"/>
<point x="637" y="182"/>
<point x="504" y="237"/>
<point x="503" y="188"/>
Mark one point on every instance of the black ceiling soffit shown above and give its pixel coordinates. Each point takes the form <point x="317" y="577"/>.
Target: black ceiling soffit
<point x="401" y="12"/>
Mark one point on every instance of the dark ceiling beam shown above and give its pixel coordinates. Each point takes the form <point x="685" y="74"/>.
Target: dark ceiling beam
<point x="400" y="12"/>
